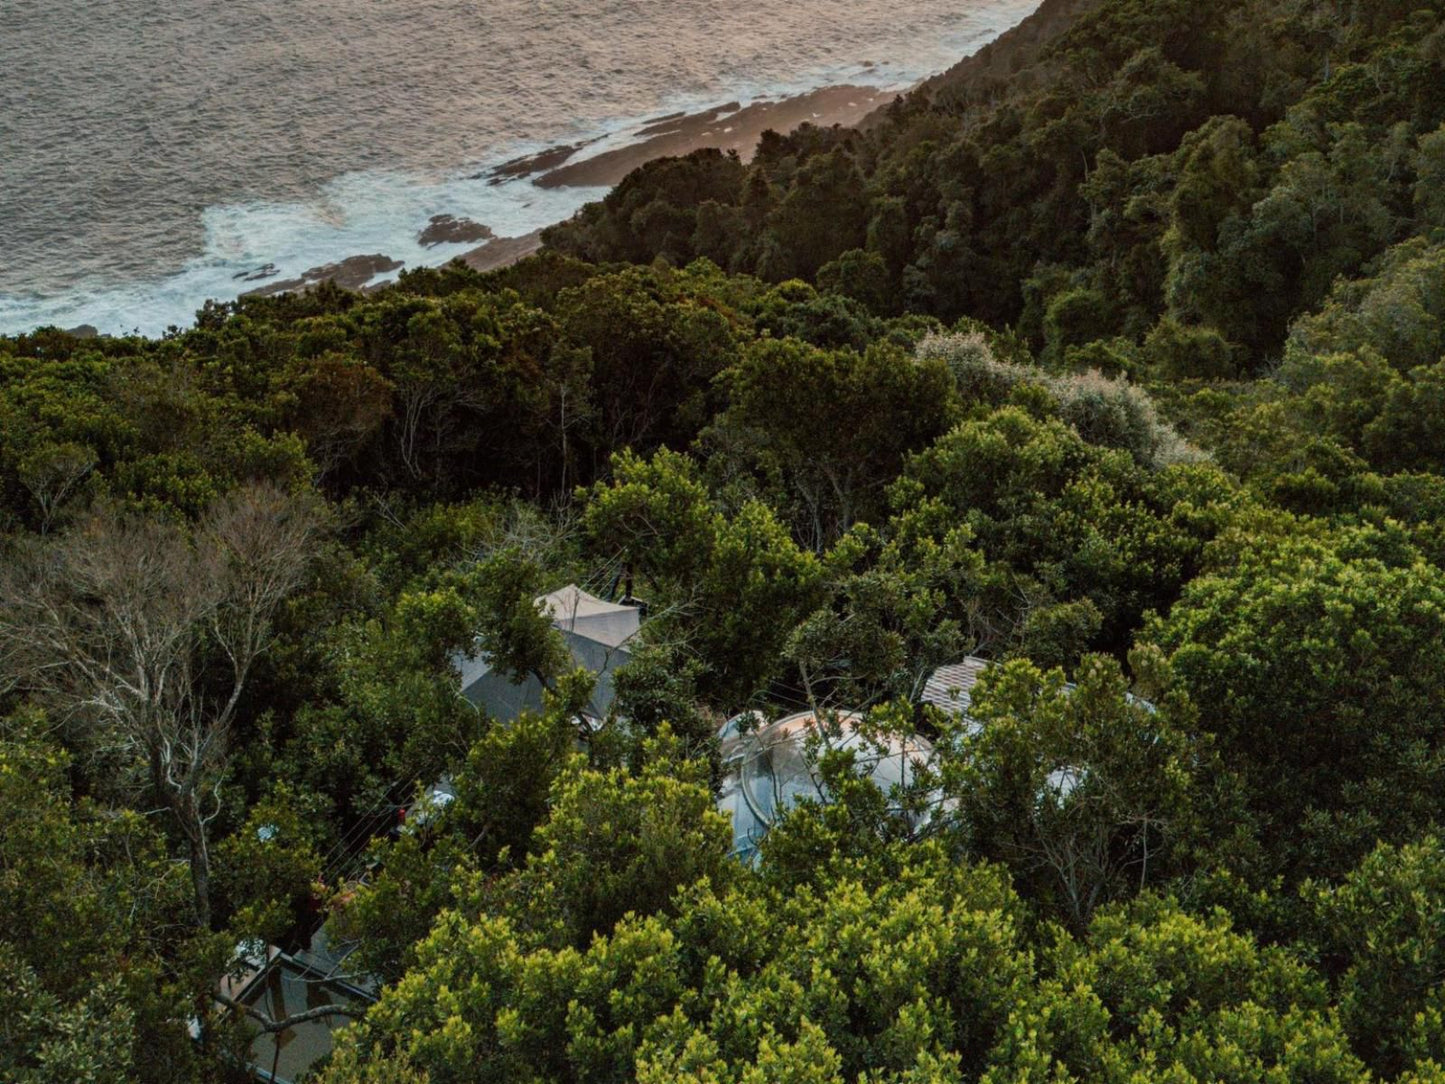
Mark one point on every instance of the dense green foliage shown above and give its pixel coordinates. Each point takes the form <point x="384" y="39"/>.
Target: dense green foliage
<point x="1116" y="356"/>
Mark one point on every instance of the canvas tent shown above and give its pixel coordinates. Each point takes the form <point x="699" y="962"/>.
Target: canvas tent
<point x="281" y="984"/>
<point x="595" y="632"/>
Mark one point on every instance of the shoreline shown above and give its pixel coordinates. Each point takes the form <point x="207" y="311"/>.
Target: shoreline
<point x="727" y="128"/>
<point x="546" y="185"/>
<point x="731" y="127"/>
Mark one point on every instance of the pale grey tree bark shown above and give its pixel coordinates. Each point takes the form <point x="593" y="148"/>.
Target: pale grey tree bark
<point x="141" y="634"/>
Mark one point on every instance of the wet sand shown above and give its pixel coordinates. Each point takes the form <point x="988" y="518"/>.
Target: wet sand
<point x="503" y="252"/>
<point x="728" y="128"/>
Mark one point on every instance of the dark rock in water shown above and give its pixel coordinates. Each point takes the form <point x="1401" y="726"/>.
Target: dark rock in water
<point x="448" y="229"/>
<point x="82" y="331"/>
<point x="351" y="273"/>
<point x="269" y="271"/>
<point x="529" y="164"/>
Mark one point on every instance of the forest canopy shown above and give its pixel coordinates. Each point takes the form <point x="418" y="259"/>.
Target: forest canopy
<point x="1114" y="358"/>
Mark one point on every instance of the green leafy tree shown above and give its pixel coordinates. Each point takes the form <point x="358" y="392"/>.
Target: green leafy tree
<point x="1383" y="932"/>
<point x="1084" y="791"/>
<point x="730" y="588"/>
<point x="900" y="978"/>
<point x="832" y="425"/>
<point x="1311" y="661"/>
<point x="619" y="842"/>
<point x="100" y="960"/>
<point x="121" y="625"/>
<point x="1153" y="993"/>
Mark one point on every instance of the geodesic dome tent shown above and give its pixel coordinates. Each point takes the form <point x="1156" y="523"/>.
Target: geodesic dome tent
<point x="950" y="688"/>
<point x="773" y="766"/>
<point x="595" y="632"/>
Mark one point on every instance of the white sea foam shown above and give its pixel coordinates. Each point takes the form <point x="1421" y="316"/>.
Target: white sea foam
<point x="135" y="262"/>
<point x="359" y="213"/>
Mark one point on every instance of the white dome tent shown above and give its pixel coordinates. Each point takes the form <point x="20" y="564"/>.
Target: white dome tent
<point x="950" y="689"/>
<point x="772" y="766"/>
<point x="769" y="767"/>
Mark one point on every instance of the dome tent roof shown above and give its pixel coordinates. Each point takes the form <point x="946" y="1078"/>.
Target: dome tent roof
<point x="771" y="767"/>
<point x="950" y="688"/>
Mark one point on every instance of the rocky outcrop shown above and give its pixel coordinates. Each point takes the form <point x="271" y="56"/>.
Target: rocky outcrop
<point x="351" y="273"/>
<point x="451" y="230"/>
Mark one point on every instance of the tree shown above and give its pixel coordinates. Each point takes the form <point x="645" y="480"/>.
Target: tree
<point x="142" y="634"/>
<point x="899" y="605"/>
<point x="730" y="588"/>
<point x="823" y="214"/>
<point x="619" y="842"/>
<point x="1083" y="791"/>
<point x="1152" y="993"/>
<point x="1399" y="311"/>
<point x="1070" y="520"/>
<point x="1314" y="663"/>
<point x="652" y="356"/>
<point x="834" y="424"/>
<point x="340" y="404"/>
<point x="53" y="473"/>
<point x="862" y="976"/>
<point x="1383" y="934"/>
<point x="49" y="1042"/>
<point x="269" y="871"/>
<point x="861" y="275"/>
<point x="98" y="963"/>
<point x="1430" y="179"/>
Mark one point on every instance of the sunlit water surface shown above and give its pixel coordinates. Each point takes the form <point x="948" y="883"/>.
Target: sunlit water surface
<point x="152" y="153"/>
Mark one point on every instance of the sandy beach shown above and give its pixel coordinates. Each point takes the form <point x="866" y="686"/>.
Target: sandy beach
<point x="730" y="127"/>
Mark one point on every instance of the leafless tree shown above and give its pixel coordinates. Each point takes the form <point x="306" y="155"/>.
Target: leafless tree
<point x="143" y="633"/>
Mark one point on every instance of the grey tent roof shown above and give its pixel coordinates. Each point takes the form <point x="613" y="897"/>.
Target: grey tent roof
<point x="574" y="610"/>
<point x="595" y="632"/>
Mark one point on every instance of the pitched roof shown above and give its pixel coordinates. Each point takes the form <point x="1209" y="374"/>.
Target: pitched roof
<point x="596" y="634"/>
<point x="574" y="610"/>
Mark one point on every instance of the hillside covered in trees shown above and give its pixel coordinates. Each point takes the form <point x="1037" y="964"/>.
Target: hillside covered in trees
<point x="1115" y="357"/>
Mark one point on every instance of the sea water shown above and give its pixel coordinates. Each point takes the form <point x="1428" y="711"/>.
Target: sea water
<point x="153" y="155"/>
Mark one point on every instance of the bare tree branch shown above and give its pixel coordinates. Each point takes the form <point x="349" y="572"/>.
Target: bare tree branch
<point x="117" y="627"/>
<point x="271" y="1027"/>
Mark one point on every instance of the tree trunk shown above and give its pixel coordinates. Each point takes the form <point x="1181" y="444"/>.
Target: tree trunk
<point x="188" y="818"/>
<point x="200" y="861"/>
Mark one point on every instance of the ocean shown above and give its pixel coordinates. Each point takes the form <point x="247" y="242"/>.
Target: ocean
<point x="154" y="155"/>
